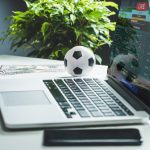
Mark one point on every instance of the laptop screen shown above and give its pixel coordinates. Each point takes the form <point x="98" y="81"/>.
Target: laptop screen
<point x="130" y="51"/>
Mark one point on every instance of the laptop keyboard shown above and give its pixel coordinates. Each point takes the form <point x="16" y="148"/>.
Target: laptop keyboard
<point x="86" y="97"/>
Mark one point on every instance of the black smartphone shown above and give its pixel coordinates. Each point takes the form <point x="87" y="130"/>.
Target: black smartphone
<point x="93" y="137"/>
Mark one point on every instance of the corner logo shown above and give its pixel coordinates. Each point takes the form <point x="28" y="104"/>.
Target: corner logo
<point x="142" y="6"/>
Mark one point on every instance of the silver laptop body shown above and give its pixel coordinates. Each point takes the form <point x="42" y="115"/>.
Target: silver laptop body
<point x="28" y="103"/>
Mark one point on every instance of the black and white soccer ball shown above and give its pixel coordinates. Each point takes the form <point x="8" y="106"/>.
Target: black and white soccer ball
<point x="79" y="61"/>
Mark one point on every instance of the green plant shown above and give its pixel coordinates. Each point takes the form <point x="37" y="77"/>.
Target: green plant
<point x="52" y="27"/>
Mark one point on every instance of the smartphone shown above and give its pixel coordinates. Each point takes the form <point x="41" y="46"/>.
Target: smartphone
<point x="93" y="137"/>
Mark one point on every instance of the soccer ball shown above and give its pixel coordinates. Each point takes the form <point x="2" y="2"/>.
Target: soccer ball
<point x="79" y="61"/>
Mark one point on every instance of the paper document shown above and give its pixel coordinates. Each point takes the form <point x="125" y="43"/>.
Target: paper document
<point x="44" y="71"/>
<point x="12" y="67"/>
<point x="23" y="69"/>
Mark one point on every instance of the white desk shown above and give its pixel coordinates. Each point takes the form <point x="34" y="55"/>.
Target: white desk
<point x="32" y="140"/>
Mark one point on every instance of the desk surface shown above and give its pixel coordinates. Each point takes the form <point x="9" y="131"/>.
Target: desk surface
<point x="32" y="140"/>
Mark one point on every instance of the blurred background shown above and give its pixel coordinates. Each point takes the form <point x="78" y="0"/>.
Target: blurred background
<point x="6" y="8"/>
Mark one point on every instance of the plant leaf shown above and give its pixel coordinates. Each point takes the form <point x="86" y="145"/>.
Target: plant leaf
<point x="98" y="58"/>
<point x="45" y="27"/>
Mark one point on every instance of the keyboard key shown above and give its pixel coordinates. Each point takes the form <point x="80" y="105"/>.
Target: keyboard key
<point x="103" y="108"/>
<point x="119" y="113"/>
<point x="83" y="113"/>
<point x="108" y="114"/>
<point x="96" y="114"/>
<point x="105" y="111"/>
<point x="129" y="112"/>
<point x="101" y="105"/>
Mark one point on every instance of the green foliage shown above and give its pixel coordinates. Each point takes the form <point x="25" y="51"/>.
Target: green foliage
<point x="52" y="27"/>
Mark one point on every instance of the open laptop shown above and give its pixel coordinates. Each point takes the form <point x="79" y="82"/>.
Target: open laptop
<point x="121" y="99"/>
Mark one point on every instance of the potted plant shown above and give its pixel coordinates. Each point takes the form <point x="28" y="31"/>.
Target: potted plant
<point x="51" y="27"/>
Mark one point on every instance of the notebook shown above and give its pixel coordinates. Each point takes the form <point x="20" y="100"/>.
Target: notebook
<point x="123" y="98"/>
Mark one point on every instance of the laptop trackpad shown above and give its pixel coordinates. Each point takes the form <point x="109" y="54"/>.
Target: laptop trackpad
<point x="24" y="98"/>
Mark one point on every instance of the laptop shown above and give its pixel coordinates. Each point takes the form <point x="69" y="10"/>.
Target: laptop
<point x="123" y="98"/>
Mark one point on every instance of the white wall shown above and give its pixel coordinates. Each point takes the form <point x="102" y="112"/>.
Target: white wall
<point x="6" y="8"/>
